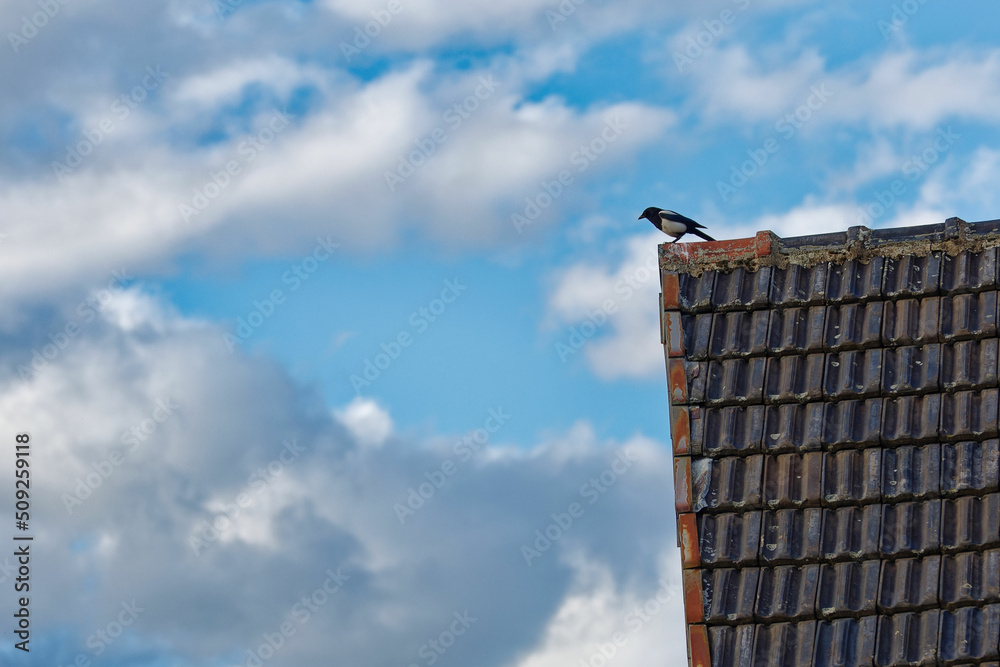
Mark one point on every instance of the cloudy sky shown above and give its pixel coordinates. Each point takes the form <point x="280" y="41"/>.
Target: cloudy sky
<point x="332" y="324"/>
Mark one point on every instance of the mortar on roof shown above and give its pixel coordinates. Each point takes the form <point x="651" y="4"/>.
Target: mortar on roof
<point x="952" y="237"/>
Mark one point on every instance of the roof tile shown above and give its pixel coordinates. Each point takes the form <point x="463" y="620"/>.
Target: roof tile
<point x="729" y="539"/>
<point x="851" y="532"/>
<point x="852" y="423"/>
<point x="970" y="522"/>
<point x="855" y="280"/>
<point x="969" y="414"/>
<point x="732" y="646"/>
<point x="735" y="381"/>
<point x="970" y="467"/>
<point x="793" y="480"/>
<point x="798" y="285"/>
<point x="851" y="476"/>
<point x="739" y="333"/>
<point x="787" y="593"/>
<point x="911" y="370"/>
<point x="969" y="316"/>
<point x="791" y="535"/>
<point x="911" y="419"/>
<point x="742" y="290"/>
<point x="969" y="364"/>
<point x="969" y="271"/>
<point x="911" y="321"/>
<point x="793" y="427"/>
<point x="846" y="642"/>
<point x="853" y="325"/>
<point x="784" y="644"/>
<point x="731" y="483"/>
<point x="794" y="379"/>
<point x="911" y="472"/>
<point x="853" y="374"/>
<point x="970" y="577"/>
<point x="730" y="594"/>
<point x="907" y="639"/>
<point x="848" y="588"/>
<point x="970" y="633"/>
<point x="911" y="529"/>
<point x="733" y="430"/>
<point x="796" y="330"/>
<point x="909" y="584"/>
<point x="911" y="275"/>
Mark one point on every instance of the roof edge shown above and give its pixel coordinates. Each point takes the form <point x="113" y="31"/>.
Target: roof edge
<point x="952" y="236"/>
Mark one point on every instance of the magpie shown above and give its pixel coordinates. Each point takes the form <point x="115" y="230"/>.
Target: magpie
<point x="674" y="224"/>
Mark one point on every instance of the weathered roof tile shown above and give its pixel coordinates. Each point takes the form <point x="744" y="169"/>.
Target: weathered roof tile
<point x="846" y="642"/>
<point x="970" y="467"/>
<point x="791" y="535"/>
<point x="909" y="584"/>
<point x="739" y="333"/>
<point x="733" y="430"/>
<point x="907" y="639"/>
<point x="911" y="472"/>
<point x="729" y="539"/>
<point x="970" y="577"/>
<point x="853" y="325"/>
<point x="848" y="589"/>
<point x="787" y="593"/>
<point x="796" y="330"/>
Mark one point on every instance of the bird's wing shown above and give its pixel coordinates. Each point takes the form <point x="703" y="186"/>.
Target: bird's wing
<point x="674" y="216"/>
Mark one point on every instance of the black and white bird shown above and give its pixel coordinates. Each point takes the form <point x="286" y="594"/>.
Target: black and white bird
<point x="674" y="224"/>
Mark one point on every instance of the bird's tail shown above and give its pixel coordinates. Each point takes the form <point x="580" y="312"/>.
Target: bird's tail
<point x="698" y="232"/>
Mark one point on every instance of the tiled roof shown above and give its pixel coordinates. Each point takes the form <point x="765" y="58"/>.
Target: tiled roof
<point x="834" y="415"/>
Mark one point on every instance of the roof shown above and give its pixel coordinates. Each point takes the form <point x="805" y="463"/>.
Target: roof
<point x="834" y="418"/>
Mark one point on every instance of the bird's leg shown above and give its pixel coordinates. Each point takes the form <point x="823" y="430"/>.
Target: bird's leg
<point x="676" y="240"/>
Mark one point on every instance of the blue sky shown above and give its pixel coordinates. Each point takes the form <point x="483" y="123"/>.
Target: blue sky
<point x="448" y="204"/>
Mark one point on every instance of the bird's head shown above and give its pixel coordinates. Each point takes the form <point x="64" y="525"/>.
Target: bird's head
<point x="651" y="213"/>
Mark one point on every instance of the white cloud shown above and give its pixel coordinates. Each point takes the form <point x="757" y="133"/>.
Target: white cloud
<point x="809" y="217"/>
<point x="328" y="169"/>
<point x="625" y="625"/>
<point x="368" y="422"/>
<point x="900" y="89"/>
<point x="610" y="313"/>
<point x="208" y="434"/>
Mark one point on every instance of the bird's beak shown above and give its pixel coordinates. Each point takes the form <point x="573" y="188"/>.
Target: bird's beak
<point x="639" y="218"/>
